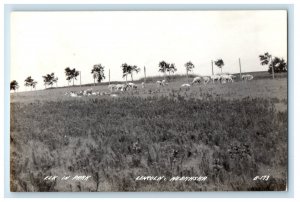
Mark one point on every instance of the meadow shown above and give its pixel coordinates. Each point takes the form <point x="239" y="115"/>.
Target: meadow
<point x="230" y="133"/>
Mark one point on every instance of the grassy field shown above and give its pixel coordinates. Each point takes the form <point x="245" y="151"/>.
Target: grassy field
<point x="230" y="133"/>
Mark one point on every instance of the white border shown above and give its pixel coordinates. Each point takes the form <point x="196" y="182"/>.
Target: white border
<point x="296" y="72"/>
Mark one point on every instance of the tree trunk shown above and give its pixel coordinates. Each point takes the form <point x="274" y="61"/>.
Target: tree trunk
<point x="73" y="81"/>
<point x="94" y="82"/>
<point x="126" y="79"/>
<point x="272" y="64"/>
<point x="131" y="77"/>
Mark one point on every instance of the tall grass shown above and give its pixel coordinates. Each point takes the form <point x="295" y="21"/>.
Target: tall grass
<point x="116" y="140"/>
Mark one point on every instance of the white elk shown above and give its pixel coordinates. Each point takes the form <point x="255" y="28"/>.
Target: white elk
<point x="206" y="79"/>
<point x="158" y="83"/>
<point x="80" y="93"/>
<point x="111" y="87"/>
<point x="161" y="83"/>
<point x="72" y="94"/>
<point x="226" y="78"/>
<point x="88" y="92"/>
<point x="114" y="95"/>
<point x="132" y="85"/>
<point x="215" y="78"/>
<point x="121" y="87"/>
<point x="247" y="77"/>
<point x="196" y="80"/>
<point x="164" y="83"/>
<point x="186" y="85"/>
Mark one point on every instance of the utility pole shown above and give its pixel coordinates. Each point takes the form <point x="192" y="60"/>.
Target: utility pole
<point x="108" y="76"/>
<point x="144" y="74"/>
<point x="240" y="68"/>
<point x="212" y="67"/>
<point x="80" y="77"/>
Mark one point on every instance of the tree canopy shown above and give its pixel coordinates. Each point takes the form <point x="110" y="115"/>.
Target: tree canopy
<point x="219" y="63"/>
<point x="166" y="67"/>
<point x="49" y="79"/>
<point x="189" y="66"/>
<point x="14" y="85"/>
<point x="129" y="69"/>
<point x="279" y="64"/>
<point x="98" y="72"/>
<point x="71" y="74"/>
<point x="30" y="82"/>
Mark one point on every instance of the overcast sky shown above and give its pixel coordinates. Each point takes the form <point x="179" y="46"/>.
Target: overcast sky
<point x="45" y="42"/>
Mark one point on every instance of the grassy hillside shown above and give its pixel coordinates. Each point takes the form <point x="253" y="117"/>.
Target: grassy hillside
<point x="230" y="133"/>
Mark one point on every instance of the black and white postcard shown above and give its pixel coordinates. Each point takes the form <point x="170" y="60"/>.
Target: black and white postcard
<point x="149" y="101"/>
